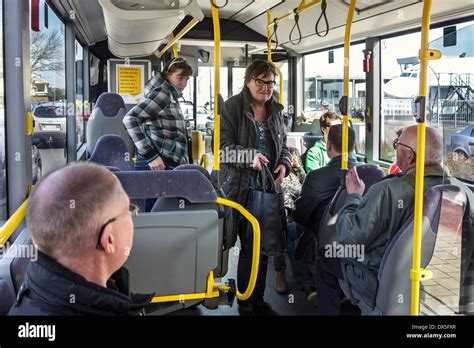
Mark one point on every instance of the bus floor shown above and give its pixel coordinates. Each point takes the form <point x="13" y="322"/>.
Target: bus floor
<point x="292" y="303"/>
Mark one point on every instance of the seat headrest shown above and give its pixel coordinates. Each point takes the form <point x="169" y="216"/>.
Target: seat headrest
<point x="111" y="151"/>
<point x="110" y="104"/>
<point x="194" y="167"/>
<point x="315" y="128"/>
<point x="369" y="174"/>
<point x="189" y="184"/>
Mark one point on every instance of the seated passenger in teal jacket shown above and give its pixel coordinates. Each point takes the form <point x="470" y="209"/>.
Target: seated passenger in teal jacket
<point x="317" y="156"/>
<point x="373" y="220"/>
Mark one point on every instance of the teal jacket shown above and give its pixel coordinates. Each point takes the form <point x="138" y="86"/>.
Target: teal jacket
<point x="317" y="156"/>
<point x="373" y="220"/>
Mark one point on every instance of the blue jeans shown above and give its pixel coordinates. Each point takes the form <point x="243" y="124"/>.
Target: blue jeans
<point x="301" y="269"/>
<point x="140" y="165"/>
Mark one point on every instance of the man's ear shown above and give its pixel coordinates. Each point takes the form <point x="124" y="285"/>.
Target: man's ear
<point x="108" y="240"/>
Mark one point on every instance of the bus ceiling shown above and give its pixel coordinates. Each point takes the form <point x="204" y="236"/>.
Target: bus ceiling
<point x="242" y="21"/>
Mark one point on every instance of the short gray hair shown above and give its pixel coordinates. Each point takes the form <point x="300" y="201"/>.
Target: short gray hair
<point x="433" y="145"/>
<point x="65" y="208"/>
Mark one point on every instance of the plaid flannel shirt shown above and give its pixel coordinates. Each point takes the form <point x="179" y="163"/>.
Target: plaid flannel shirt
<point x="157" y="125"/>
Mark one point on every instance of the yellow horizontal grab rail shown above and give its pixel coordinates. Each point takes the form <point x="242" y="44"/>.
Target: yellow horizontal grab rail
<point x="303" y="6"/>
<point x="256" y="246"/>
<point x="13" y="222"/>
<point x="178" y="36"/>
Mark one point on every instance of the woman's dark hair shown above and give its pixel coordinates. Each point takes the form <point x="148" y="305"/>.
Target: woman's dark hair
<point x="257" y="68"/>
<point x="176" y="64"/>
<point x="294" y="151"/>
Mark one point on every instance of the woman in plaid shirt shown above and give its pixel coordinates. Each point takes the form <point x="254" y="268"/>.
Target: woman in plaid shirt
<point x="157" y="125"/>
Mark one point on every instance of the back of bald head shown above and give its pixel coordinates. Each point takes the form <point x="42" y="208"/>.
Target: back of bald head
<point x="65" y="209"/>
<point x="433" y="143"/>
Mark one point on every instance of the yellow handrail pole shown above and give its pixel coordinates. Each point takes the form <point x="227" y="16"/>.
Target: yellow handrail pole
<point x="217" y="58"/>
<point x="345" y="117"/>
<point x="303" y="6"/>
<point x="269" y="56"/>
<point x="425" y="54"/>
<point x="12" y="223"/>
<point x="256" y="246"/>
<point x="178" y="36"/>
<point x="175" y="49"/>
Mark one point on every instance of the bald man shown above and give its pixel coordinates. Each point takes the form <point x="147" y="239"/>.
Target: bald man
<point x="80" y="220"/>
<point x="372" y="220"/>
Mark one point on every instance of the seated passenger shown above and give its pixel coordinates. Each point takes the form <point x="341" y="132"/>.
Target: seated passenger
<point x="372" y="220"/>
<point x="321" y="185"/>
<point x="317" y="156"/>
<point x="80" y="221"/>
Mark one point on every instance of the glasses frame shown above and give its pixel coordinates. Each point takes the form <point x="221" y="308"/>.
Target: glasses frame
<point x="132" y="211"/>
<point x="261" y="83"/>
<point x="397" y="142"/>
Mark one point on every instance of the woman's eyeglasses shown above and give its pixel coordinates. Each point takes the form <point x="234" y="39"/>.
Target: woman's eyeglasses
<point x="261" y="83"/>
<point x="132" y="211"/>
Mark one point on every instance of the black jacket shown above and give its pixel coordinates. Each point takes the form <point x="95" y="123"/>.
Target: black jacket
<point x="238" y="134"/>
<point x="51" y="289"/>
<point x="318" y="189"/>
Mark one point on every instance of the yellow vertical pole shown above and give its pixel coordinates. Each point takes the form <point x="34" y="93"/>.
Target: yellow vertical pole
<point x="345" y="97"/>
<point x="175" y="49"/>
<point x="217" y="55"/>
<point x="269" y="55"/>
<point x="425" y="54"/>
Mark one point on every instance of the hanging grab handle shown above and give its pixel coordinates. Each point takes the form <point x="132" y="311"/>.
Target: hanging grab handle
<point x="275" y="27"/>
<point x="297" y="25"/>
<point x="324" y="5"/>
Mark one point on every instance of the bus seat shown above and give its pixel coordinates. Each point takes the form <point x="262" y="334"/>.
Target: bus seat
<point x="13" y="268"/>
<point x="173" y="251"/>
<point x="107" y="118"/>
<point x="315" y="128"/>
<point x="369" y="174"/>
<point x="111" y="152"/>
<point x="394" y="283"/>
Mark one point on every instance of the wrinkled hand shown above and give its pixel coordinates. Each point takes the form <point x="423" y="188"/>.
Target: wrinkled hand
<point x="353" y="183"/>
<point x="258" y="160"/>
<point x="281" y="171"/>
<point x="157" y="164"/>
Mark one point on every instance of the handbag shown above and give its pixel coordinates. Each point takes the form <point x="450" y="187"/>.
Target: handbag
<point x="265" y="203"/>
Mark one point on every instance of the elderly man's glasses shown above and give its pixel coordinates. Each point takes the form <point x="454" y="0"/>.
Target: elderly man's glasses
<point x="132" y="211"/>
<point x="261" y="83"/>
<point x="397" y="143"/>
<point x="175" y="61"/>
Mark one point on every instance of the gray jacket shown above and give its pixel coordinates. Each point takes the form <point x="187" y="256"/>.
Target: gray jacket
<point x="238" y="139"/>
<point x="373" y="220"/>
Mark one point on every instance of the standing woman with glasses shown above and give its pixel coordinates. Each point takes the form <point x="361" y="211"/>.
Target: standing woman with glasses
<point x="157" y="125"/>
<point x="252" y="135"/>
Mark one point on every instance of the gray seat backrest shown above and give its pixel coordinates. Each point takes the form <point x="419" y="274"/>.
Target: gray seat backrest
<point x="173" y="251"/>
<point x="107" y="118"/>
<point x="394" y="289"/>
<point x="369" y="174"/>
<point x="111" y="152"/>
<point x="13" y="267"/>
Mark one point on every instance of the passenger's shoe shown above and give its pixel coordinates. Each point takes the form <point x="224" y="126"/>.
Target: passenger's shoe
<point x="280" y="283"/>
<point x="264" y="309"/>
<point x="310" y="292"/>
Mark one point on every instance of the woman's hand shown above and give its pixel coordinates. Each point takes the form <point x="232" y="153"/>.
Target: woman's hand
<point x="281" y="171"/>
<point x="258" y="160"/>
<point x="157" y="164"/>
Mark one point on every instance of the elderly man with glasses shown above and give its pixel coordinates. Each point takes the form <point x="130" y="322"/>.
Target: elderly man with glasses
<point x="80" y="220"/>
<point x="373" y="219"/>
